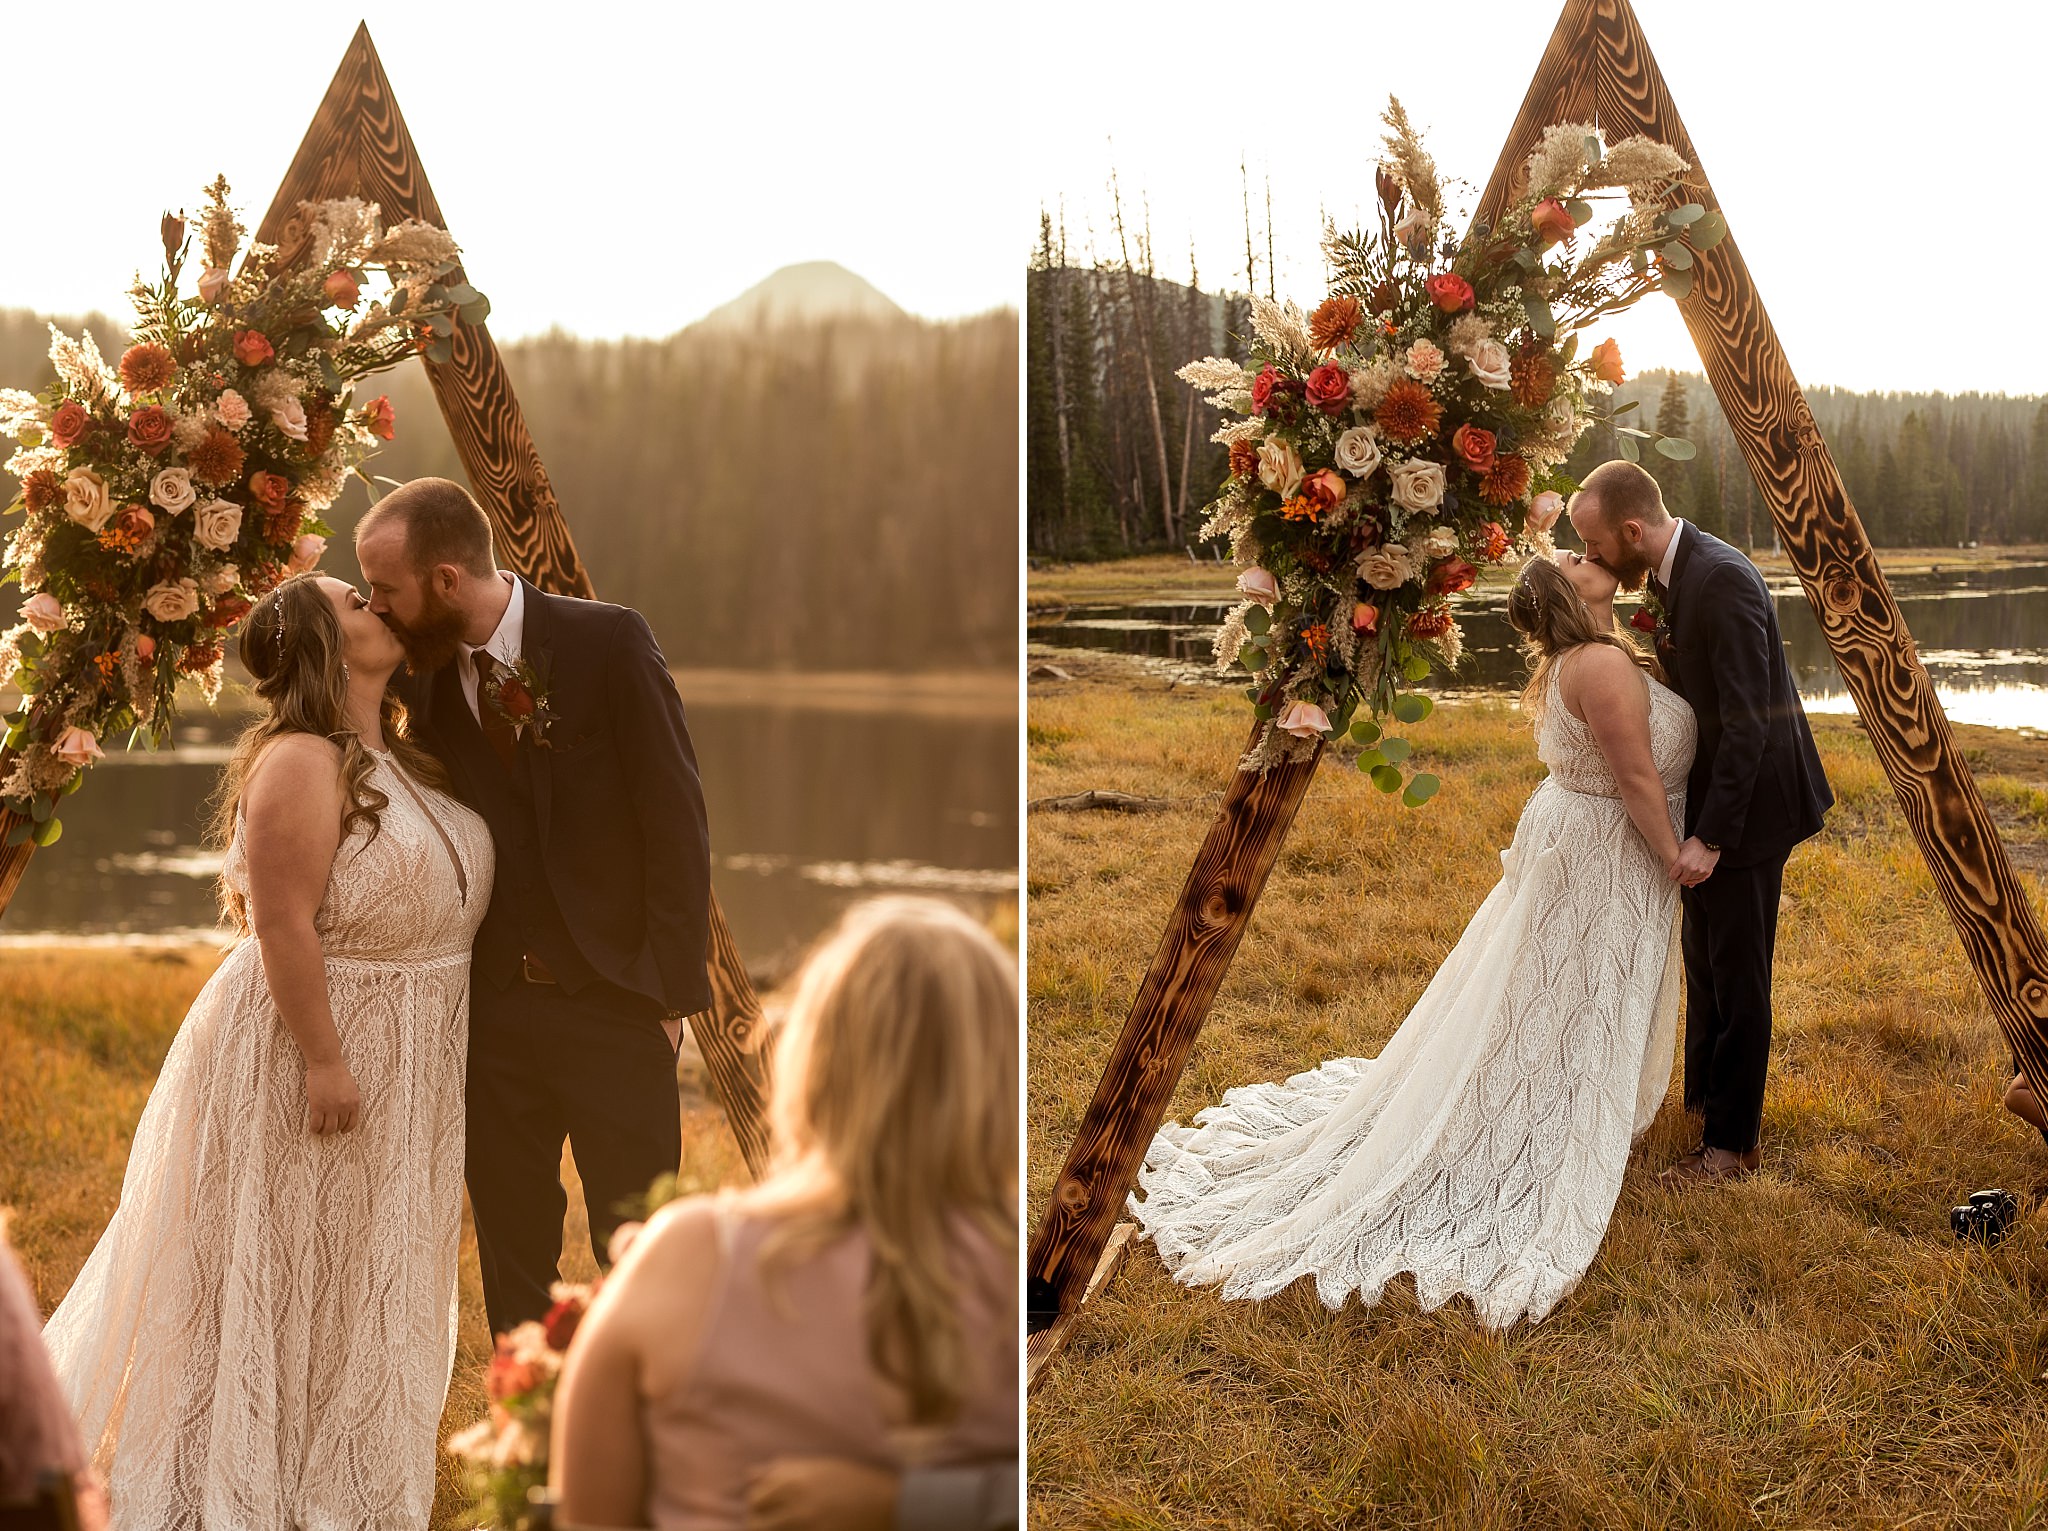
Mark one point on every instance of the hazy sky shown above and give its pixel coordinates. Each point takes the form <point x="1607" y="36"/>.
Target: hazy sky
<point x="1877" y="161"/>
<point x="614" y="168"/>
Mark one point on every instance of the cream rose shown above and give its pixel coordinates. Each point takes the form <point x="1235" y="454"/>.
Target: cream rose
<point x="1279" y="466"/>
<point x="1490" y="363"/>
<point x="1304" y="720"/>
<point x="1411" y="223"/>
<point x="171" y="490"/>
<point x="290" y="417"/>
<point x="232" y="410"/>
<point x="307" y="550"/>
<point x="213" y="281"/>
<point x="1434" y="542"/>
<point x="216" y="524"/>
<point x="222" y="580"/>
<point x="86" y="500"/>
<point x="1425" y="361"/>
<point x="77" y="747"/>
<point x="1544" y="511"/>
<point x="172" y="601"/>
<point x="1417" y="485"/>
<point x="1259" y="585"/>
<point x="43" y="611"/>
<point x="1386" y="568"/>
<point x="1358" y="452"/>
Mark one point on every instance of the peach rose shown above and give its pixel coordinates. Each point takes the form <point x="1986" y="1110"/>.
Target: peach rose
<point x="171" y="491"/>
<point x="43" y="611"/>
<point x="1474" y="447"/>
<point x="1325" y="487"/>
<point x="341" y="289"/>
<point x="1606" y="362"/>
<point x="290" y="418"/>
<point x="1304" y="720"/>
<point x="1449" y="292"/>
<point x="1451" y="576"/>
<point x="77" y="747"/>
<point x="306" y="552"/>
<point x="216" y="524"/>
<point x="253" y="348"/>
<point x="1550" y="221"/>
<point x="172" y="600"/>
<point x="220" y="581"/>
<point x="145" y="647"/>
<point x="1544" y="511"/>
<point x="135" y="521"/>
<point x="1365" y="618"/>
<point x="1260" y="585"/>
<point x="1279" y="467"/>
<point x="379" y="418"/>
<point x="232" y="410"/>
<point x="1410" y="224"/>
<point x="86" y="500"/>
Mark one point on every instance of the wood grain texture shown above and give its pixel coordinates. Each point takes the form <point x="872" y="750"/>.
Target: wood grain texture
<point x="1599" y="66"/>
<point x="1046" y="1343"/>
<point x="358" y="146"/>
<point x="1150" y="1054"/>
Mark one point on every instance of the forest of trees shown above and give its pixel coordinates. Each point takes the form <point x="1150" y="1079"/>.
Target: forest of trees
<point x="839" y="495"/>
<point x="1118" y="458"/>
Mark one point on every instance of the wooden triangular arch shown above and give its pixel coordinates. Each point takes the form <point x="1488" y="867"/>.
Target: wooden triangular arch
<point x="1597" y="67"/>
<point x="358" y="146"/>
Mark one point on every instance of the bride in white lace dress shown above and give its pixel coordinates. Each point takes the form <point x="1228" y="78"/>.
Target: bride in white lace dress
<point x="263" y="1336"/>
<point x="1483" y="1149"/>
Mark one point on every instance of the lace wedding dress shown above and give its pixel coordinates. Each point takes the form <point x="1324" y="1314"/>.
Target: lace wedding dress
<point x="262" y="1338"/>
<point x="1483" y="1149"/>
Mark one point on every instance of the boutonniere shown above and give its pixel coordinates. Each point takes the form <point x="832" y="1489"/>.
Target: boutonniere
<point x="1651" y="618"/>
<point x="518" y="694"/>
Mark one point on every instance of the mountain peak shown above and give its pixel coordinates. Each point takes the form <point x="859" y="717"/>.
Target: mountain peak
<point x="801" y="294"/>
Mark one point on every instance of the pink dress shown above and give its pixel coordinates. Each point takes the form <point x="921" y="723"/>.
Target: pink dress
<point x="783" y="1370"/>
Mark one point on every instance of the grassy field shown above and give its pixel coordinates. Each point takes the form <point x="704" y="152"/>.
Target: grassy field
<point x="82" y="1034"/>
<point x="1807" y="1349"/>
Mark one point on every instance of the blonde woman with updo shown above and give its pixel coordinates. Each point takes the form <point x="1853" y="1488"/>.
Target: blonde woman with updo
<point x="263" y="1336"/>
<point x="1483" y="1149"/>
<point x="860" y="1304"/>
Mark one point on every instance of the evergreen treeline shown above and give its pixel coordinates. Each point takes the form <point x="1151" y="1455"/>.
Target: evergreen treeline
<point x="828" y="496"/>
<point x="1118" y="459"/>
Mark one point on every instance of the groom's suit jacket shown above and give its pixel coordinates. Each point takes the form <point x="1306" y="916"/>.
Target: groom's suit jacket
<point x="1756" y="788"/>
<point x="603" y="855"/>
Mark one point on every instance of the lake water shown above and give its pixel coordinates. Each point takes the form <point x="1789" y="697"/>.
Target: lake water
<point x="810" y="809"/>
<point x="1982" y="633"/>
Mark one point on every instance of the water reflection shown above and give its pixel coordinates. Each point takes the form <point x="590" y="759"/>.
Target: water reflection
<point x="1982" y="634"/>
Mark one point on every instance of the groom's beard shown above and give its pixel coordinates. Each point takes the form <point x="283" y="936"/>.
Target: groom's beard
<point x="434" y="639"/>
<point x="1630" y="570"/>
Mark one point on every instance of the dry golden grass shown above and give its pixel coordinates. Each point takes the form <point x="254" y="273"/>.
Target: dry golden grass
<point x="82" y="1035"/>
<point x="1810" y="1348"/>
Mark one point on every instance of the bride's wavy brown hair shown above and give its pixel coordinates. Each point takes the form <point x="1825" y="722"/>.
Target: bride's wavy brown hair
<point x="894" y="1110"/>
<point x="300" y="676"/>
<point x="1553" y="619"/>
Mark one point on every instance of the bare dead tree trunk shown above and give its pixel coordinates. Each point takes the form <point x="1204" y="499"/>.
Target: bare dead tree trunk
<point x="1140" y="315"/>
<point x="1057" y="324"/>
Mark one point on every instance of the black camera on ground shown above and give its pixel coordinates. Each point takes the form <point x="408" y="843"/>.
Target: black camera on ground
<point x="1986" y="1217"/>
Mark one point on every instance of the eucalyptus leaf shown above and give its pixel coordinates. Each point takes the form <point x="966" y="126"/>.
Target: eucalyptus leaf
<point x="1387" y="778"/>
<point x="1257" y="621"/>
<point x="1631" y="430"/>
<point x="444" y="324"/>
<point x="1581" y="211"/>
<point x="1622" y="409"/>
<point x="1416" y="668"/>
<point x="1413" y="707"/>
<point x="1638" y="262"/>
<point x="1541" y="321"/>
<point x="42" y="808"/>
<point x="1592" y="148"/>
<point x="49" y="832"/>
<point x="1676" y="257"/>
<point x="1421" y="790"/>
<point x="1629" y="450"/>
<point x="1678" y="284"/>
<point x="398" y="301"/>
<point x="19" y="833"/>
<point x="1396" y="750"/>
<point x="1365" y="731"/>
<point x="1679" y="217"/>
<point x="1708" y="232"/>
<point x="461" y="295"/>
<point x="1371" y="761"/>
<point x="1263" y="711"/>
<point x="71" y="786"/>
<point x="476" y="313"/>
<point x="441" y="351"/>
<point x="1251" y="657"/>
<point x="1570" y="351"/>
<point x="1677" y="448"/>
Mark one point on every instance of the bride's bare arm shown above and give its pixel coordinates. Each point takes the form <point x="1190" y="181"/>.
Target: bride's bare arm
<point x="291" y="822"/>
<point x="1603" y="686"/>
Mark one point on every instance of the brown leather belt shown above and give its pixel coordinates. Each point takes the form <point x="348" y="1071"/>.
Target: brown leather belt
<point x="533" y="970"/>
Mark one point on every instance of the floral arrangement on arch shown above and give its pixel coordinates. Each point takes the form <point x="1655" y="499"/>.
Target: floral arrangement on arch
<point x="163" y="496"/>
<point x="1410" y="430"/>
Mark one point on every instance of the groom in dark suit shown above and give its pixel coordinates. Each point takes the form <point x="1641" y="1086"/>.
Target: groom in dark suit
<point x="1756" y="790"/>
<point x="560" y="724"/>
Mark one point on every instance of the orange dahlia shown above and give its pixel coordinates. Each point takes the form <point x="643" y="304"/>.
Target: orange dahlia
<point x="1406" y="412"/>
<point x="1244" y="459"/>
<point x="1334" y="322"/>
<point x="146" y="368"/>
<point x="1508" y="481"/>
<point x="282" y="524"/>
<point x="1430" y="622"/>
<point x="1530" y="379"/>
<point x="217" y="459"/>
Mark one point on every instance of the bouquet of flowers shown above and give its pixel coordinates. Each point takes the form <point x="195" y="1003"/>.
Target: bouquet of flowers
<point x="505" y="1454"/>
<point x="163" y="496"/>
<point x="1411" y="429"/>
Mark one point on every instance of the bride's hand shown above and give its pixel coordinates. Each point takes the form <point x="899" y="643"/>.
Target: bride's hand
<point x="332" y="1102"/>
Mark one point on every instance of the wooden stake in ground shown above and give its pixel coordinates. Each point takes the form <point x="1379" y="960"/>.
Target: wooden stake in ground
<point x="1597" y="67"/>
<point x="358" y="145"/>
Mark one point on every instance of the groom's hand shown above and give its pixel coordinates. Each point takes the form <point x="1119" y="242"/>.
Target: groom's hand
<point x="1695" y="863"/>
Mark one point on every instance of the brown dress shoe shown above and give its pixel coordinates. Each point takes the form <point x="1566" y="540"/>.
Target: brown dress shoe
<point x="1706" y="1164"/>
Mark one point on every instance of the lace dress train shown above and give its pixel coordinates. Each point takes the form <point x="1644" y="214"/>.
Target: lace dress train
<point x="263" y="1336"/>
<point x="1483" y="1149"/>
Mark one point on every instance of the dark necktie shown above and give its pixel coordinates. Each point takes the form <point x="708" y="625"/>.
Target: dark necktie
<point x="496" y="729"/>
<point x="1657" y="589"/>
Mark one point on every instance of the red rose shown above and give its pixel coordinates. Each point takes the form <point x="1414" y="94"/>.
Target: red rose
<point x="1329" y="389"/>
<point x="135" y="521"/>
<point x="1325" y="486"/>
<point x="229" y="610"/>
<point x="149" y="429"/>
<point x="269" y="489"/>
<point x="1449" y="292"/>
<point x="1644" y="621"/>
<point x="560" y="1324"/>
<point x="1551" y="221"/>
<point x="1474" y="447"/>
<point x="509" y="1377"/>
<point x="1451" y="575"/>
<point x="70" y="422"/>
<point x="515" y="699"/>
<point x="1271" y="382"/>
<point x="253" y="348"/>
<point x="382" y="420"/>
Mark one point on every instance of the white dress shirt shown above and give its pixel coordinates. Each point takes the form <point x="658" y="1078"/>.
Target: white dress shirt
<point x="503" y="643"/>
<point x="1663" y="569"/>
